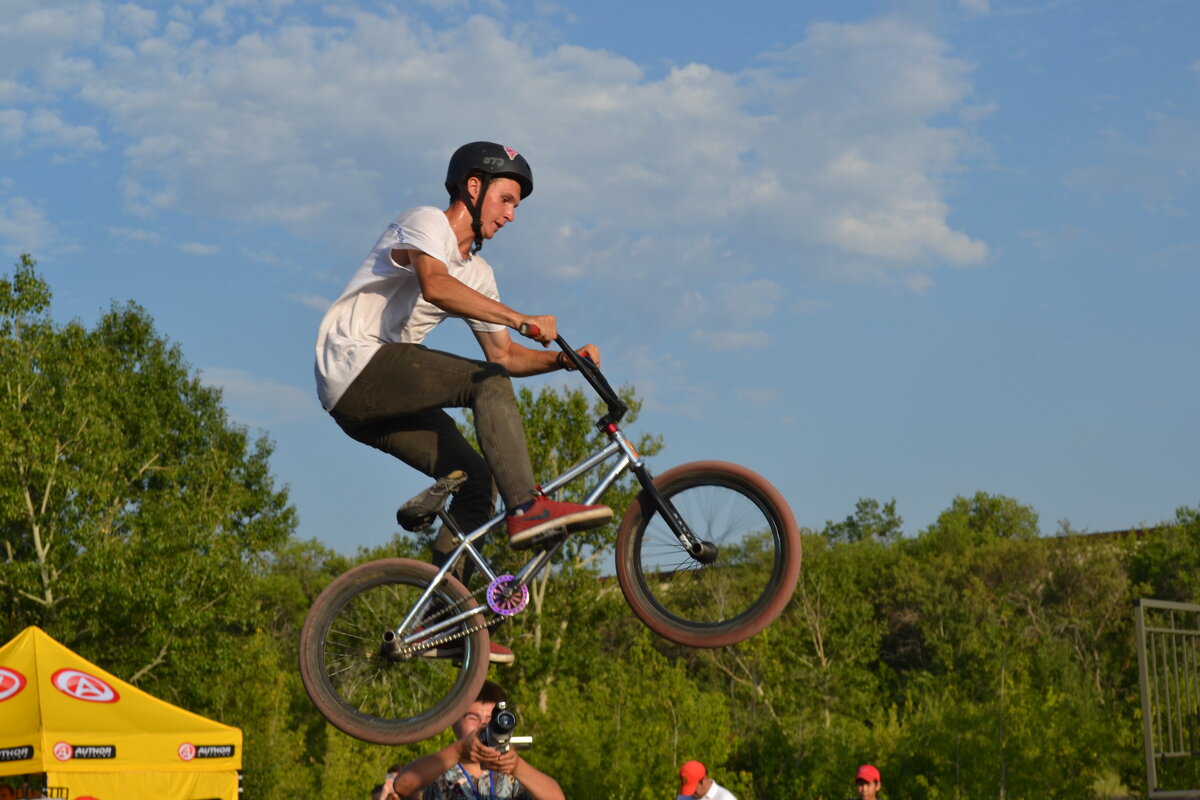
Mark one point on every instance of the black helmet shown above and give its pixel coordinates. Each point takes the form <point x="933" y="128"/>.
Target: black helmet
<point x="493" y="161"/>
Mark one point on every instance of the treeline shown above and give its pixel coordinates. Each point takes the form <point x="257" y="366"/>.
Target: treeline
<point x="972" y="659"/>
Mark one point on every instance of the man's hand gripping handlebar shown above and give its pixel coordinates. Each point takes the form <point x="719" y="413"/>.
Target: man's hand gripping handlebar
<point x="569" y="359"/>
<point x="587" y="360"/>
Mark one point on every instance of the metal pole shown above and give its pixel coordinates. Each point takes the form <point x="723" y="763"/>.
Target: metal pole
<point x="1139" y="624"/>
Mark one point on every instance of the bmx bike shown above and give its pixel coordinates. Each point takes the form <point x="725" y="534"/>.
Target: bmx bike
<point x="707" y="555"/>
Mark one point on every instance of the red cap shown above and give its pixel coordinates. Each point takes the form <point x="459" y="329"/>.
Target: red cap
<point x="867" y="773"/>
<point x="690" y="775"/>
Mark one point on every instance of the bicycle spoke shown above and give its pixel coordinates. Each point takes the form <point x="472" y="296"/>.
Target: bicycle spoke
<point x="393" y="697"/>
<point x="746" y="539"/>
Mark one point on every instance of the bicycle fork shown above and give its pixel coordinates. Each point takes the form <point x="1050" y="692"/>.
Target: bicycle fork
<point x="704" y="552"/>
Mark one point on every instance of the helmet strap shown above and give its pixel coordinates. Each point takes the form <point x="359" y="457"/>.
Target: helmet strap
<point x="476" y="209"/>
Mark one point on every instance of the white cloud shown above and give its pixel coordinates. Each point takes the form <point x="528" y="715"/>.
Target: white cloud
<point x="314" y="301"/>
<point x="12" y="92"/>
<point x="39" y="33"/>
<point x="134" y="234"/>
<point x="23" y="228"/>
<point x="197" y="249"/>
<point x="663" y="383"/>
<point x="760" y="397"/>
<point x="50" y="129"/>
<point x="134" y="21"/>
<point x="12" y="124"/>
<point x="255" y="401"/>
<point x="45" y="128"/>
<point x="1157" y="167"/>
<point x="918" y="282"/>
<point x="731" y="319"/>
<point x="298" y="120"/>
<point x="809" y="305"/>
<point x="827" y="158"/>
<point x="725" y="340"/>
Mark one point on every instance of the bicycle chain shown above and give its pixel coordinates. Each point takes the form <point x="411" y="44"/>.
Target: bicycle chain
<point x="451" y="637"/>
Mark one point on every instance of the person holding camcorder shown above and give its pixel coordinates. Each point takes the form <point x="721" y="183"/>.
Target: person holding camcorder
<point x="482" y="763"/>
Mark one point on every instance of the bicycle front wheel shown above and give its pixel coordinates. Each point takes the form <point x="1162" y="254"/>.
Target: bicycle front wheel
<point x="739" y="593"/>
<point x="366" y="688"/>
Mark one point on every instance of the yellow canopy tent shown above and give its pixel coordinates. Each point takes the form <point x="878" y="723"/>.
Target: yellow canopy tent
<point x="96" y="736"/>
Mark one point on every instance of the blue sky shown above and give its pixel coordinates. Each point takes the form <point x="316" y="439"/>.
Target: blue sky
<point x="870" y="249"/>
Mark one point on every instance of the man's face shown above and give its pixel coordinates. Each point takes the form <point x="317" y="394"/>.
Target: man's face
<point x="866" y="789"/>
<point x="701" y="788"/>
<point x="499" y="205"/>
<point x="476" y="716"/>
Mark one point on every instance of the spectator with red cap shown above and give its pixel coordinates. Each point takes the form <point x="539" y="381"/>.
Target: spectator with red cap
<point x="867" y="782"/>
<point x="695" y="784"/>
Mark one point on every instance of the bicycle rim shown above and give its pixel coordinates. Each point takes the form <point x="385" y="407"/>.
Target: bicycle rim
<point x="736" y="596"/>
<point x="373" y="696"/>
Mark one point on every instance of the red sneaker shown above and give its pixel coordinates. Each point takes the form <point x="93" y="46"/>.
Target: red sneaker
<point x="500" y="654"/>
<point x="530" y="523"/>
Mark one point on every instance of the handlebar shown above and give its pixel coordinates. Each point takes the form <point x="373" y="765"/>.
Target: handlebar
<point x="591" y="373"/>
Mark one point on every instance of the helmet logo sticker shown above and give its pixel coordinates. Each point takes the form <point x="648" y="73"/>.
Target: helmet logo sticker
<point x="512" y="154"/>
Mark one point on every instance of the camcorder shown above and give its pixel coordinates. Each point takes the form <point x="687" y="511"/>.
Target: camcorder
<point x="497" y="733"/>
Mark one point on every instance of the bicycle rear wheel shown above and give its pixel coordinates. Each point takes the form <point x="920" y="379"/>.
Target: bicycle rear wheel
<point x="735" y="596"/>
<point x="370" y="691"/>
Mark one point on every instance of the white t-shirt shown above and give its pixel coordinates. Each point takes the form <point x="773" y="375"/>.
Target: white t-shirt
<point x="382" y="303"/>
<point x="715" y="792"/>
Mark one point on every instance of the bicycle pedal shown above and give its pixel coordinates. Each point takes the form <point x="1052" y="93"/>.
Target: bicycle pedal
<point x="420" y="512"/>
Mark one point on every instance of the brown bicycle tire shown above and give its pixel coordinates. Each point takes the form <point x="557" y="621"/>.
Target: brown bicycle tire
<point x="331" y="699"/>
<point x="636" y="585"/>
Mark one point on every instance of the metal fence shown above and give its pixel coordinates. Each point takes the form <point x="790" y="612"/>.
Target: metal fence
<point x="1168" y="644"/>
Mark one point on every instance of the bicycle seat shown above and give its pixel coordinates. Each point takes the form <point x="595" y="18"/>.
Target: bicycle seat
<point x="420" y="512"/>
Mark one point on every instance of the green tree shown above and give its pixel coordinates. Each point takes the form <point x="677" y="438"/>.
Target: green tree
<point x="623" y="728"/>
<point x="870" y="520"/>
<point x="133" y="513"/>
<point x="137" y="523"/>
<point x="1167" y="563"/>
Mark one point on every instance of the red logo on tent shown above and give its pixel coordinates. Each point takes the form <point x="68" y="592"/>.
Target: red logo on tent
<point x="11" y="683"/>
<point x="63" y="751"/>
<point x="187" y="751"/>
<point x="83" y="686"/>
